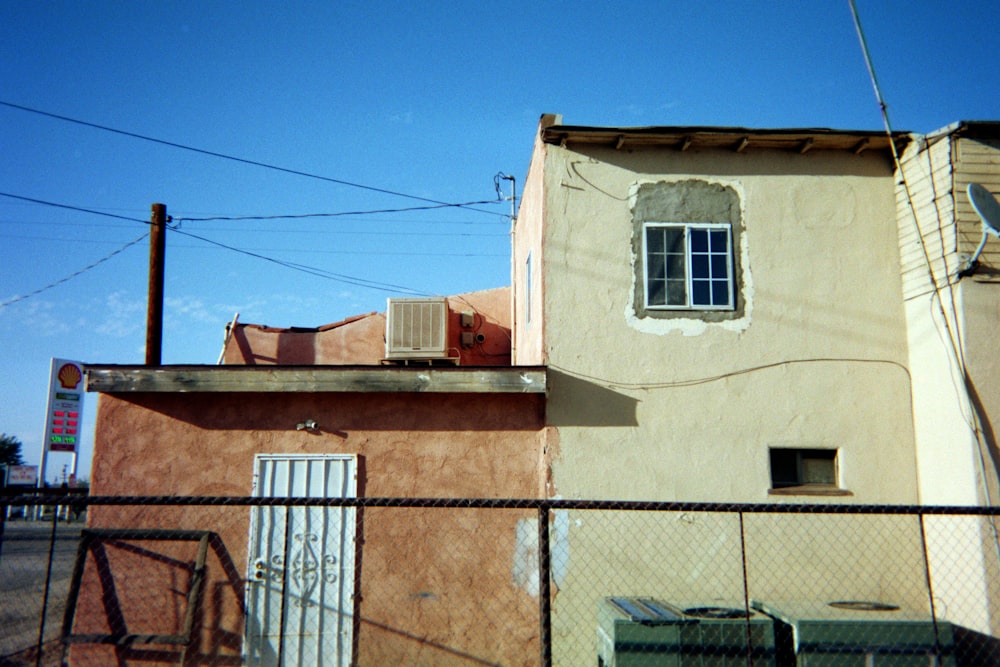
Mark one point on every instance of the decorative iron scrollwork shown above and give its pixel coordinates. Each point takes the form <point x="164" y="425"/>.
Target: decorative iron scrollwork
<point x="308" y="568"/>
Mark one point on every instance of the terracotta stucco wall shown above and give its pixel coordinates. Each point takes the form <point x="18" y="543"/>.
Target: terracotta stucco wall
<point x="360" y="340"/>
<point x="424" y="574"/>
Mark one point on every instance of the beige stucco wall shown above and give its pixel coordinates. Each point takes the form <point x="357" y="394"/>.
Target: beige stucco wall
<point x="681" y="409"/>
<point x="526" y="241"/>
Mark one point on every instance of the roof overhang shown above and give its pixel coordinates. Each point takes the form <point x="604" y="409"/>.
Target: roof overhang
<point x="737" y="139"/>
<point x="110" y="379"/>
<point x="973" y="129"/>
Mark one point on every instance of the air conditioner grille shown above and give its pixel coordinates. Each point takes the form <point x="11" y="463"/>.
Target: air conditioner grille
<point x="416" y="328"/>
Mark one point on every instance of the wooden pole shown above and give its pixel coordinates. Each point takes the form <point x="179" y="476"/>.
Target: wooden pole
<point x="154" y="309"/>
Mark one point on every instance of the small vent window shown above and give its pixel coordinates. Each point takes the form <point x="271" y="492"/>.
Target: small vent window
<point x="804" y="471"/>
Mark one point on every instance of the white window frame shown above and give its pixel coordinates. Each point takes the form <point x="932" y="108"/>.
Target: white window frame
<point x="527" y="291"/>
<point x="688" y="277"/>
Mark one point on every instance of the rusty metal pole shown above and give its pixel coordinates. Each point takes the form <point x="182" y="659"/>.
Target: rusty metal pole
<point x="154" y="309"/>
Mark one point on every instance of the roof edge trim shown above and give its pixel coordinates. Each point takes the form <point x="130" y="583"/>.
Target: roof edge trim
<point x="111" y="379"/>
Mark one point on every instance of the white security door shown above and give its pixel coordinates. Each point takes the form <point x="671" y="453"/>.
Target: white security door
<point x="300" y="583"/>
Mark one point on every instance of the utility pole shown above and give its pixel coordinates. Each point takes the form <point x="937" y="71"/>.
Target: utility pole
<point x="154" y="309"/>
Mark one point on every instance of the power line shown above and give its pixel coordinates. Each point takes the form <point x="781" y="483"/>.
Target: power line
<point x="313" y="251"/>
<point x="233" y="158"/>
<point x="72" y="275"/>
<point x="322" y="273"/>
<point x="335" y="215"/>
<point x="311" y="270"/>
<point x="68" y="207"/>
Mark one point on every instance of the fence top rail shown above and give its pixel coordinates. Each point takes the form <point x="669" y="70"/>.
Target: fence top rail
<point x="541" y="504"/>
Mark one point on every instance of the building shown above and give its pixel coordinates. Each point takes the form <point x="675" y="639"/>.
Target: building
<point x="707" y="314"/>
<point x="342" y="425"/>
<point x="748" y="316"/>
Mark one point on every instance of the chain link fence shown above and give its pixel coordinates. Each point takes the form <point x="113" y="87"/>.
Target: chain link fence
<point x="389" y="581"/>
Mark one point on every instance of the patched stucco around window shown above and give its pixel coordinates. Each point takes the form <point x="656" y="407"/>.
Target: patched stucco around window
<point x="688" y="201"/>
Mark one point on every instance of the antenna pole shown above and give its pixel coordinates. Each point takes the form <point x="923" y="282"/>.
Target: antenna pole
<point x="154" y="308"/>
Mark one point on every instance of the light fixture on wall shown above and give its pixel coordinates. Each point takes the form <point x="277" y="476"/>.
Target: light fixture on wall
<point x="307" y="425"/>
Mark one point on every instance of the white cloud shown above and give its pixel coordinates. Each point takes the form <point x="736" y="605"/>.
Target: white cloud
<point x="42" y="318"/>
<point x="178" y="309"/>
<point x="123" y="315"/>
<point x="402" y="118"/>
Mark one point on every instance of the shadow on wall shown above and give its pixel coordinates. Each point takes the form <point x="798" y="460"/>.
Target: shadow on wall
<point x="392" y="640"/>
<point x="293" y="349"/>
<point x="296" y="350"/>
<point x="576" y="401"/>
<point x="128" y="583"/>
<point x="989" y="435"/>
<point x="334" y="413"/>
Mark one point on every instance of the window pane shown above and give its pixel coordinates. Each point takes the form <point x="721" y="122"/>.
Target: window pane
<point x="818" y="471"/>
<point x="700" y="293"/>
<point x="720" y="293"/>
<point x="784" y="467"/>
<point x="676" y="293"/>
<point x="657" y="294"/>
<point x="720" y="240"/>
<point x="674" y="240"/>
<point x="720" y="266"/>
<point x="675" y="266"/>
<point x="654" y="240"/>
<point x="657" y="267"/>
<point x="699" y="240"/>
<point x="699" y="266"/>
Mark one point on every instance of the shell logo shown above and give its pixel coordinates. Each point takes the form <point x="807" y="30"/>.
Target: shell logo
<point x="69" y="376"/>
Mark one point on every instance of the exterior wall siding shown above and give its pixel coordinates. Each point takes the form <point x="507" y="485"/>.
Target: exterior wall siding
<point x="928" y="173"/>
<point x="978" y="161"/>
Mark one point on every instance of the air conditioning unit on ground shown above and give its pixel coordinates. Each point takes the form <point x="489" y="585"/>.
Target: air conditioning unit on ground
<point x="858" y="633"/>
<point x="648" y="632"/>
<point x="416" y="329"/>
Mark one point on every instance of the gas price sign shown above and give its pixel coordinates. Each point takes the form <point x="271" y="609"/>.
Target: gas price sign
<point x="62" y="424"/>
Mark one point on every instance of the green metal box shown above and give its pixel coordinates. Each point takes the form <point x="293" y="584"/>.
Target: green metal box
<point x="857" y="633"/>
<point x="646" y="632"/>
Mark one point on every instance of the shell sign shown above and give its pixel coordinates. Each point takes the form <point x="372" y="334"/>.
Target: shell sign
<point x="69" y="376"/>
<point x="62" y="425"/>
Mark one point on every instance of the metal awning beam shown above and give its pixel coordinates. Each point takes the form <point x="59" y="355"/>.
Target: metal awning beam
<point x="481" y="380"/>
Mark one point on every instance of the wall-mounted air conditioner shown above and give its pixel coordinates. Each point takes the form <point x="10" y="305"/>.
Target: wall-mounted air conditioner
<point x="416" y="328"/>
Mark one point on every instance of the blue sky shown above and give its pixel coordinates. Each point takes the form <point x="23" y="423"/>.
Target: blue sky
<point x="429" y="100"/>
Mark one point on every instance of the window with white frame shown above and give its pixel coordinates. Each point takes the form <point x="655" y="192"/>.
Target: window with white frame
<point x="527" y="291"/>
<point x="688" y="266"/>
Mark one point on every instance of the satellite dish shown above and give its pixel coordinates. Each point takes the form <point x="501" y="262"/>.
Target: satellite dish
<point x="988" y="208"/>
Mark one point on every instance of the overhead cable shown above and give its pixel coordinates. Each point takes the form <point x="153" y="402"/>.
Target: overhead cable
<point x="974" y="418"/>
<point x="68" y="207"/>
<point x="72" y="275"/>
<point x="234" y="158"/>
<point x="335" y="215"/>
<point x="321" y="273"/>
